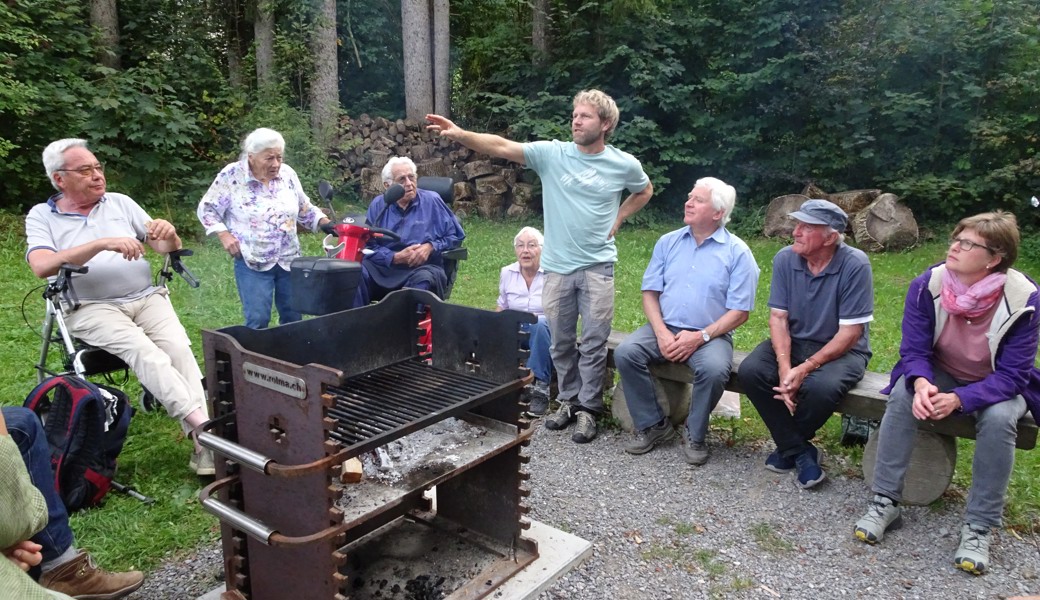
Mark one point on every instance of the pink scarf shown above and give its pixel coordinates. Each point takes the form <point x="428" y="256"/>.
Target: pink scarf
<point x="974" y="301"/>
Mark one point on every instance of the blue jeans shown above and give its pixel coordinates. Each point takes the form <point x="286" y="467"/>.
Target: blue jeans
<point x="711" y="364"/>
<point x="255" y="289"/>
<point x="27" y="432"/>
<point x="540" y="361"/>
<point x="589" y="294"/>
<point x="996" y="427"/>
<point x="818" y="395"/>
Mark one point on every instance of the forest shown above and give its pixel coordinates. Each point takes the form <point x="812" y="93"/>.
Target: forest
<point x="937" y="101"/>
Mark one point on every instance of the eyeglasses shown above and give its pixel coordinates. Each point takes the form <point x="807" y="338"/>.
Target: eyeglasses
<point x="968" y="245"/>
<point x="527" y="246"/>
<point x="87" y="171"/>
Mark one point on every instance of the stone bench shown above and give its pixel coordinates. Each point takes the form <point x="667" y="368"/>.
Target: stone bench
<point x="935" y="453"/>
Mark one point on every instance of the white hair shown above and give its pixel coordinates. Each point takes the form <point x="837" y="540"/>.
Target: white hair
<point x="723" y="196"/>
<point x="388" y="169"/>
<point x="537" y="235"/>
<point x="54" y="156"/>
<point x="261" y="139"/>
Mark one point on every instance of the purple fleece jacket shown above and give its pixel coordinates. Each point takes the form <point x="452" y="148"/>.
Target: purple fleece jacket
<point x="1015" y="332"/>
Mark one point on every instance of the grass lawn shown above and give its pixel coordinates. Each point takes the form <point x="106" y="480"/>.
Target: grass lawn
<point x="125" y="533"/>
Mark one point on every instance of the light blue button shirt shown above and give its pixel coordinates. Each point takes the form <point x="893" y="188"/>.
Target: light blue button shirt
<point x="698" y="284"/>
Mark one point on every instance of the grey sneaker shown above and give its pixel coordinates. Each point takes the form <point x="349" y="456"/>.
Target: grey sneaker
<point x="695" y="453"/>
<point x="585" y="429"/>
<point x="973" y="553"/>
<point x="560" y="419"/>
<point x="645" y="440"/>
<point x="202" y="463"/>
<point x="538" y="399"/>
<point x="882" y="516"/>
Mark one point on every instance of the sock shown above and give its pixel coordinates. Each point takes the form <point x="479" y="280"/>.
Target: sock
<point x="69" y="554"/>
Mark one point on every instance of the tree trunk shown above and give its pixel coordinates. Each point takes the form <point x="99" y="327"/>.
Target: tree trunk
<point x="325" y="84"/>
<point x="104" y="17"/>
<point x="418" y="71"/>
<point x="232" y="12"/>
<point x="540" y="32"/>
<point x="441" y="58"/>
<point x="263" y="28"/>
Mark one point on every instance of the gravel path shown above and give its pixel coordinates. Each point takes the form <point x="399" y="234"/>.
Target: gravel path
<point x="730" y="529"/>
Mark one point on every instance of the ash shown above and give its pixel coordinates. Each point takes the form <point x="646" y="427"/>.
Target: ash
<point x="429" y="448"/>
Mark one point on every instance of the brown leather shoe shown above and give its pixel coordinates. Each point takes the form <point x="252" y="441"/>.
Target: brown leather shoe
<point x="84" y="580"/>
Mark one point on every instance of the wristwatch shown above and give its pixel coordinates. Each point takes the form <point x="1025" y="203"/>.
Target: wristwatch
<point x="705" y="336"/>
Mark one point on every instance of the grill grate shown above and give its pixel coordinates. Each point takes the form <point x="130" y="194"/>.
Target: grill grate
<point x="377" y="407"/>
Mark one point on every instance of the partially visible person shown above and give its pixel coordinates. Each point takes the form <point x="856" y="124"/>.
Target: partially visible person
<point x="427" y="228"/>
<point x="520" y="288"/>
<point x="699" y="286"/>
<point x="821" y="301"/>
<point x="970" y="331"/>
<point x="253" y="207"/>
<point x="583" y="182"/>
<point x="64" y="568"/>
<point x="121" y="310"/>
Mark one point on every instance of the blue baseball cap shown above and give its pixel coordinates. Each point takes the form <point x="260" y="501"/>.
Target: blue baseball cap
<point x="821" y="212"/>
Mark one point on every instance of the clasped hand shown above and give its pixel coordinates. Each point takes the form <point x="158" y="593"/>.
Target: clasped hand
<point x="679" y="347"/>
<point x="930" y="403"/>
<point x="24" y="554"/>
<point x="790" y="382"/>
<point x="414" y="255"/>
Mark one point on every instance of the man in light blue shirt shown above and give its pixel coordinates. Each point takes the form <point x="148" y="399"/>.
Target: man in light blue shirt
<point x="699" y="286"/>
<point x="582" y="185"/>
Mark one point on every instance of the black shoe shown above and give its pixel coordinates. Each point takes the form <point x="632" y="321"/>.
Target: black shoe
<point x="585" y="429"/>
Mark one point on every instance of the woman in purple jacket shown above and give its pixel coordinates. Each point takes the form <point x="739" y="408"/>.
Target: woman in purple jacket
<point x="970" y="330"/>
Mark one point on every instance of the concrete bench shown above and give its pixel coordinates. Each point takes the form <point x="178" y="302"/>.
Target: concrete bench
<point x="935" y="453"/>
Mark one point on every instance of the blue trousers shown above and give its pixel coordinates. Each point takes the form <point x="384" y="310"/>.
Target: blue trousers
<point x="27" y="432"/>
<point x="996" y="427"/>
<point x="255" y="289"/>
<point x="540" y="361"/>
<point x="711" y="364"/>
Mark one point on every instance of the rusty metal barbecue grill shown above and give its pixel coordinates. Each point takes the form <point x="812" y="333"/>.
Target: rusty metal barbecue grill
<point x="292" y="403"/>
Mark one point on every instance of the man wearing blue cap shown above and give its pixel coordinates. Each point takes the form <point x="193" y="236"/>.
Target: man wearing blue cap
<point x="821" y="302"/>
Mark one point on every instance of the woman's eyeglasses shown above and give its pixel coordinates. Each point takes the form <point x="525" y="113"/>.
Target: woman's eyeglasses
<point x="968" y="245"/>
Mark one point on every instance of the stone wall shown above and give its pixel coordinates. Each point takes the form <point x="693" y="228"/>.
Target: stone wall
<point x="492" y="188"/>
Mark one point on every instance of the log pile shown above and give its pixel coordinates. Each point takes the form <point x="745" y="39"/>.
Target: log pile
<point x="877" y="221"/>
<point x="484" y="186"/>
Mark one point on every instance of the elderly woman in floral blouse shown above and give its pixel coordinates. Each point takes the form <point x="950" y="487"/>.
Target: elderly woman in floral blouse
<point x="253" y="206"/>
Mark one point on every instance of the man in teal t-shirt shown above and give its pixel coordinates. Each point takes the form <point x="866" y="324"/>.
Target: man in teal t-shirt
<point x="582" y="185"/>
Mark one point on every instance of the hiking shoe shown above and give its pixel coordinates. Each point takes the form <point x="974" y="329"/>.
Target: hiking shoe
<point x="973" y="553"/>
<point x="538" y="399"/>
<point x="809" y="472"/>
<point x="560" y="419"/>
<point x="645" y="440"/>
<point x="202" y="463"/>
<point x="82" y="579"/>
<point x="695" y="453"/>
<point x="778" y="464"/>
<point x="882" y="516"/>
<point x="585" y="428"/>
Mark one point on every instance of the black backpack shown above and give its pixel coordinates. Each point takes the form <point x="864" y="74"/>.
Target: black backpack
<point x="86" y="426"/>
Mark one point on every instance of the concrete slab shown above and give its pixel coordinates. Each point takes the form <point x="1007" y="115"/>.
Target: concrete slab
<point x="558" y="553"/>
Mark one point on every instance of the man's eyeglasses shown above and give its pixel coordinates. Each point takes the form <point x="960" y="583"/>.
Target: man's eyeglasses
<point x="527" y="246"/>
<point x="87" y="171"/>
<point x="968" y="245"/>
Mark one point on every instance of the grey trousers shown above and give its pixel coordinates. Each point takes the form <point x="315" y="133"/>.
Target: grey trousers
<point x="995" y="429"/>
<point x="711" y="364"/>
<point x="589" y="294"/>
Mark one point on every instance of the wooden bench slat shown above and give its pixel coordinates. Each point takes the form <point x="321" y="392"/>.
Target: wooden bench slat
<point x="864" y="400"/>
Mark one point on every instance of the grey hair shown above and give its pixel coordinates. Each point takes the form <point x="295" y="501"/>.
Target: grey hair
<point x="54" y="156"/>
<point x="388" y="168"/>
<point x="261" y="139"/>
<point x="537" y="235"/>
<point x="723" y="196"/>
